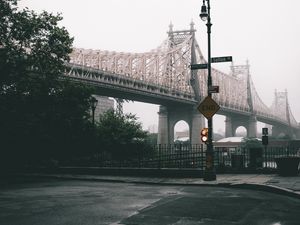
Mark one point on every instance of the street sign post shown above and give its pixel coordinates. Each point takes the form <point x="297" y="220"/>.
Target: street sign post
<point x="208" y="107"/>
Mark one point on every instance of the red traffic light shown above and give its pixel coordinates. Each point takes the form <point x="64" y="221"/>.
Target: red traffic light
<point x="204" y="135"/>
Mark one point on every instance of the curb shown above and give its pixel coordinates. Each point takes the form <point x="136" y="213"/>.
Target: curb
<point x="250" y="186"/>
<point x="268" y="188"/>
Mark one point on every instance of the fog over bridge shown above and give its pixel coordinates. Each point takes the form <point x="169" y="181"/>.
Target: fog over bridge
<point x="163" y="76"/>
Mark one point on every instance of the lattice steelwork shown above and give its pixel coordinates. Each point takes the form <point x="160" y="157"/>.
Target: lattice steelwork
<point x="233" y="91"/>
<point x="280" y="108"/>
<point x="168" y="66"/>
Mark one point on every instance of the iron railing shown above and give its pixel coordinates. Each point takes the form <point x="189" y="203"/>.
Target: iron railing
<point x="193" y="156"/>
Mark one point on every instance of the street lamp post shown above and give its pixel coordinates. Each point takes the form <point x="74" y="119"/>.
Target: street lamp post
<point x="94" y="103"/>
<point x="209" y="173"/>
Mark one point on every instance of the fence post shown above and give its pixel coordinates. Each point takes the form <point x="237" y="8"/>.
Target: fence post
<point x="139" y="157"/>
<point x="264" y="164"/>
<point x="159" y="154"/>
<point x="180" y="156"/>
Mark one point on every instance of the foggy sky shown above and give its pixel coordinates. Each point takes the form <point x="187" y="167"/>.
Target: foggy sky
<point x="267" y="33"/>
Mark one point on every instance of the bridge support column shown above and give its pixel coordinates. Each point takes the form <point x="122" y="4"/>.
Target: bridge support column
<point x="228" y="127"/>
<point x="233" y="122"/>
<point x="252" y="127"/>
<point x="169" y="116"/>
<point x="163" y="126"/>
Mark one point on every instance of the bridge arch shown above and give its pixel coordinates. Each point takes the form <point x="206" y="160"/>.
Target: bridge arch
<point x="241" y="131"/>
<point x="181" y="131"/>
<point x="168" y="116"/>
<point x="232" y="123"/>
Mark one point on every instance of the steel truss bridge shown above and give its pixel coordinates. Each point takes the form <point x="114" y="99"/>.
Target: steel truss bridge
<point x="163" y="76"/>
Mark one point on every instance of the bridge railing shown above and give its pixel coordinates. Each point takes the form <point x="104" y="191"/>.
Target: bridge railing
<point x="76" y="71"/>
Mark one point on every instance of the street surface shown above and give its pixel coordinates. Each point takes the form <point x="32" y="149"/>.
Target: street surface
<point x="71" y="202"/>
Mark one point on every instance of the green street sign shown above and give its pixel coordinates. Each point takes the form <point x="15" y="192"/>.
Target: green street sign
<point x="198" y="66"/>
<point x="221" y="59"/>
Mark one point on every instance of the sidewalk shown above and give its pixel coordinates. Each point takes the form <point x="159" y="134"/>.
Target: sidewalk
<point x="289" y="186"/>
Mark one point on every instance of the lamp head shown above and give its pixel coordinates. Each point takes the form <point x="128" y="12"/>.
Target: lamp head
<point x="203" y="15"/>
<point x="94" y="102"/>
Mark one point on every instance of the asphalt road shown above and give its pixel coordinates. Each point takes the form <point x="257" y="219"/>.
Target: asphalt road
<point x="57" y="202"/>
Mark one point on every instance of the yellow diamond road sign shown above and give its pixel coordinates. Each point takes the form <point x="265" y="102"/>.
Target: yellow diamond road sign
<point x="208" y="107"/>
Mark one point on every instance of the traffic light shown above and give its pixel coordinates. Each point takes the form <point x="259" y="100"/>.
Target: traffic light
<point x="265" y="131"/>
<point x="265" y="139"/>
<point x="204" y="135"/>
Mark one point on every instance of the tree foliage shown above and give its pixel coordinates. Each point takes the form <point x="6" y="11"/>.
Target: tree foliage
<point x="42" y="115"/>
<point x="251" y="143"/>
<point x="122" y="136"/>
<point x="33" y="49"/>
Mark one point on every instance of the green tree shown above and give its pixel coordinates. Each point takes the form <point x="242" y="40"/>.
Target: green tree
<point x="122" y="136"/>
<point x="42" y="115"/>
<point x="251" y="143"/>
<point x="152" y="138"/>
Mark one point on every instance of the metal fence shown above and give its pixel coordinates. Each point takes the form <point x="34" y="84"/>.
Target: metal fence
<point x="177" y="156"/>
<point x="164" y="156"/>
<point x="193" y="156"/>
<point x="236" y="159"/>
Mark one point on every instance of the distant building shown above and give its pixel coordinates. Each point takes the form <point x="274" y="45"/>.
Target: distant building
<point x="229" y="144"/>
<point x="182" y="135"/>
